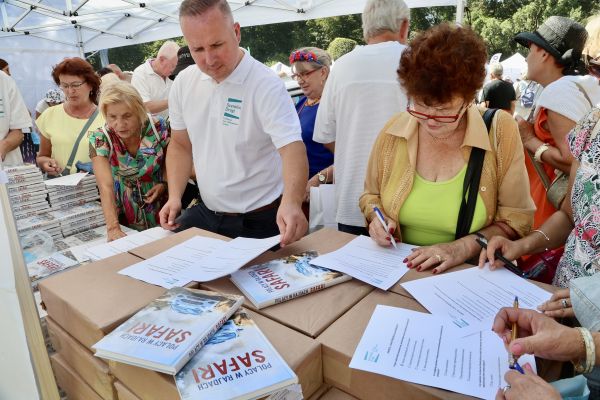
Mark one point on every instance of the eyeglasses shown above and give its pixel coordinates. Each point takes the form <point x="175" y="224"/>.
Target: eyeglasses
<point x="303" y="75"/>
<point x="445" y="119"/>
<point x="74" y="85"/>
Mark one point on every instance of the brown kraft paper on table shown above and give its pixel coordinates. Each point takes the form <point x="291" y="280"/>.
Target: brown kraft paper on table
<point x="70" y="382"/>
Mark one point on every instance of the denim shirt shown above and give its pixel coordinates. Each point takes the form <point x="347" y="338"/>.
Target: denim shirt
<point x="585" y="297"/>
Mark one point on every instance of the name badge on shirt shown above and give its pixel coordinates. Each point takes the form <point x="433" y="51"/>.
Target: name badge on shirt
<point x="233" y="110"/>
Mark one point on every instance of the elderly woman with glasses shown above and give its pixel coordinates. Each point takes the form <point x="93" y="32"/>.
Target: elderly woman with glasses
<point x="424" y="159"/>
<point x="310" y="67"/>
<point x="128" y="155"/>
<point x="64" y="128"/>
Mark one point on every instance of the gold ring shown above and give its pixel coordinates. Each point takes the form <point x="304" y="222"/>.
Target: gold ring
<point x="439" y="258"/>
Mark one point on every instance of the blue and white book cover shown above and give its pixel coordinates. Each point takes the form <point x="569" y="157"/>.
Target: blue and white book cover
<point x="238" y="362"/>
<point x="284" y="279"/>
<point x="165" y="334"/>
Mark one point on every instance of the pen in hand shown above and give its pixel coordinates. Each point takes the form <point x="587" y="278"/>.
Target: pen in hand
<point x="482" y="241"/>
<point x="512" y="360"/>
<point x="382" y="220"/>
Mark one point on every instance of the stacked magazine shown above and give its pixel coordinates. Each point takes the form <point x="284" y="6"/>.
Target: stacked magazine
<point x="27" y="194"/>
<point x="79" y="218"/>
<point x="41" y="222"/>
<point x="63" y="197"/>
<point x="284" y="279"/>
<point x="212" y="345"/>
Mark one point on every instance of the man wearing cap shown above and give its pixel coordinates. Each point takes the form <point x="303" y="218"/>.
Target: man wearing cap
<point x="554" y="61"/>
<point x="499" y="93"/>
<point x="184" y="60"/>
<point x="234" y="120"/>
<point x="151" y="79"/>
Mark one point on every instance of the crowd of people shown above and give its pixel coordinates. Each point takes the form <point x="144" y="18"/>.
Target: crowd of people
<point x="398" y="126"/>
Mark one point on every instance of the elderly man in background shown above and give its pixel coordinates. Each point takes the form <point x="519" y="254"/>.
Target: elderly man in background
<point x="151" y="79"/>
<point x="360" y="96"/>
<point x="234" y="120"/>
<point x="13" y="118"/>
<point x="499" y="93"/>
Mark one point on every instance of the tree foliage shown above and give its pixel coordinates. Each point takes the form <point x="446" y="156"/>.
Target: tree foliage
<point x="340" y="46"/>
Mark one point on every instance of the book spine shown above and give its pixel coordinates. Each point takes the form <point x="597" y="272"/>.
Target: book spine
<point x="206" y="337"/>
<point x="307" y="290"/>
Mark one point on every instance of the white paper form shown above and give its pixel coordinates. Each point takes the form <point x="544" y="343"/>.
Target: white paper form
<point x="365" y="260"/>
<point x="418" y="348"/>
<point x="472" y="297"/>
<point x="126" y="243"/>
<point x="230" y="256"/>
<point x="67" y="180"/>
<point x="173" y="268"/>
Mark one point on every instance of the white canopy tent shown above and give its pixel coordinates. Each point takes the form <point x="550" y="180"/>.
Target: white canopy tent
<point x="514" y="66"/>
<point x="36" y="34"/>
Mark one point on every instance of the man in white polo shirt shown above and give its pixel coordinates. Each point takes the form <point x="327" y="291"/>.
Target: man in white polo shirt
<point x="360" y="96"/>
<point x="233" y="118"/>
<point x="151" y="79"/>
<point x="13" y="118"/>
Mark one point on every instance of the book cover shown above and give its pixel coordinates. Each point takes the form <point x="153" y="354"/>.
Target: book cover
<point x="167" y="333"/>
<point x="49" y="265"/>
<point x="238" y="362"/>
<point x="40" y="221"/>
<point x="283" y="279"/>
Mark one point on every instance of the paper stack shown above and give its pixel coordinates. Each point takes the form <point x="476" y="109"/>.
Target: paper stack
<point x="64" y="197"/>
<point x="26" y="190"/>
<point x="79" y="218"/>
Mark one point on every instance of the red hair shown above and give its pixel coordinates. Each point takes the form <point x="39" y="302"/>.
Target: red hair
<point x="78" y="67"/>
<point x="443" y="62"/>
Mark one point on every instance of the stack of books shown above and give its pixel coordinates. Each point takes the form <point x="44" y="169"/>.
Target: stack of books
<point x="64" y="197"/>
<point x="41" y="222"/>
<point x="205" y="339"/>
<point x="26" y="190"/>
<point x="79" y="218"/>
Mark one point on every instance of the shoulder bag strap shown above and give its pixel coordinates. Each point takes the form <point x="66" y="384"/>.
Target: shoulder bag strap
<point x="471" y="183"/>
<point x="81" y="135"/>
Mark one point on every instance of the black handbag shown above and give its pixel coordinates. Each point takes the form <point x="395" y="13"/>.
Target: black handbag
<point x="471" y="183"/>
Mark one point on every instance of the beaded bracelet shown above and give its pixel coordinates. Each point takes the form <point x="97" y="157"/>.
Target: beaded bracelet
<point x="590" y="353"/>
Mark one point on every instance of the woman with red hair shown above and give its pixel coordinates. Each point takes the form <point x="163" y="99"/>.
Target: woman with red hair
<point x="436" y="173"/>
<point x="64" y="128"/>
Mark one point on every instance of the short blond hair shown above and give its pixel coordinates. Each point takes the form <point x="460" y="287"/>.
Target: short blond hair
<point x="123" y="92"/>
<point x="592" y="45"/>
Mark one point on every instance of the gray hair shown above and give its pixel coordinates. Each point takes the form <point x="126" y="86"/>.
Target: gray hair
<point x="168" y="50"/>
<point x="497" y="70"/>
<point x="193" y="8"/>
<point x="380" y="16"/>
<point x="322" y="56"/>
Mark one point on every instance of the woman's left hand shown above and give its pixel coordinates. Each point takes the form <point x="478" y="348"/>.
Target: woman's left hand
<point x="154" y="194"/>
<point x="559" y="305"/>
<point x="312" y="182"/>
<point x="526" y="386"/>
<point x="441" y="256"/>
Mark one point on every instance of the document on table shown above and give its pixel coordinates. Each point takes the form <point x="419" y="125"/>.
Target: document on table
<point x="173" y="268"/>
<point x="126" y="243"/>
<point x="230" y="256"/>
<point x="365" y="260"/>
<point x="419" y="348"/>
<point x="67" y="180"/>
<point x="471" y="298"/>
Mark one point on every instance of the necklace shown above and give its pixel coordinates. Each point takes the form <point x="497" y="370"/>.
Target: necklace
<point x="440" y="137"/>
<point x="309" y="103"/>
<point x="85" y="115"/>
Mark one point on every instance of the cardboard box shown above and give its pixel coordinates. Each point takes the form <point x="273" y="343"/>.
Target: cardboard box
<point x="90" y="369"/>
<point x="302" y="354"/>
<point x="339" y="342"/>
<point x="154" y="248"/>
<point x="336" y="394"/>
<point x="92" y="300"/>
<point x="124" y="393"/>
<point x="70" y="382"/>
<point x="313" y="313"/>
<point x="319" y="393"/>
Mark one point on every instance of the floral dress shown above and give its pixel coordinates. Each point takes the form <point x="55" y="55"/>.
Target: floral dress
<point x="582" y="250"/>
<point x="134" y="175"/>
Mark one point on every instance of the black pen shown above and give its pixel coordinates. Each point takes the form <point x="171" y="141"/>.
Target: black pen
<point x="507" y="264"/>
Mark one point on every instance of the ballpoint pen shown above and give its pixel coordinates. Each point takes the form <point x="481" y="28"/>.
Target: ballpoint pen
<point x="512" y="360"/>
<point x="507" y="264"/>
<point x="382" y="220"/>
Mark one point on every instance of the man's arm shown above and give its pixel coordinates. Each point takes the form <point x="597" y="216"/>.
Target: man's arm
<point x="12" y="140"/>
<point x="179" y="163"/>
<point x="290" y="218"/>
<point x="156" y="106"/>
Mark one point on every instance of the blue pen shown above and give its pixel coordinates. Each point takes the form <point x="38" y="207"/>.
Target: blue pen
<point x="382" y="220"/>
<point x="517" y="368"/>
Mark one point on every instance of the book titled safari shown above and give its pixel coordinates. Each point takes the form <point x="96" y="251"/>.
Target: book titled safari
<point x="284" y="279"/>
<point x="166" y="334"/>
<point x="238" y="362"/>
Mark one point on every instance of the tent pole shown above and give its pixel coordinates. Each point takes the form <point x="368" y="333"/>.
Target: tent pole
<point x="80" y="41"/>
<point x="460" y="11"/>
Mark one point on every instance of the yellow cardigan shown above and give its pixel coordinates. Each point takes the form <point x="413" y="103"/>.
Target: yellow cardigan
<point x="504" y="185"/>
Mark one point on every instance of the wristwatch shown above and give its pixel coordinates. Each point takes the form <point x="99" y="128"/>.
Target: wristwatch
<point x="321" y="177"/>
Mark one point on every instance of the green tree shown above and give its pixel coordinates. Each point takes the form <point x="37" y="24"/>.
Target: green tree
<point x="340" y="46"/>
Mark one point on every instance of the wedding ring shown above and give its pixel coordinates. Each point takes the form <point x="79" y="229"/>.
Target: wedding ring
<point x="505" y="389"/>
<point x="439" y="258"/>
<point x="565" y="304"/>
